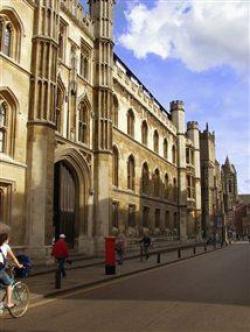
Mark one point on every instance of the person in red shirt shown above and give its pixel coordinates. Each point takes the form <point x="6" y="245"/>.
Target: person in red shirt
<point x="61" y="252"/>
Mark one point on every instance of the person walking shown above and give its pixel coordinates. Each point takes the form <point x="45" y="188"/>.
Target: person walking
<point x="145" y="243"/>
<point x="61" y="252"/>
<point x="120" y="246"/>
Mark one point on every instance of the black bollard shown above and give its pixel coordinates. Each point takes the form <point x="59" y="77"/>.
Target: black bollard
<point x="141" y="254"/>
<point x="179" y="252"/>
<point x="194" y="250"/>
<point x="58" y="279"/>
<point x="158" y="258"/>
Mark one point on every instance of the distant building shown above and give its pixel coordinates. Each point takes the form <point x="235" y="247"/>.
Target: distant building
<point x="211" y="187"/>
<point x="230" y="192"/>
<point x="242" y="216"/>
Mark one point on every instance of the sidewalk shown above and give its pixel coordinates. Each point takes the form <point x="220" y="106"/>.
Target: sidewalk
<point x="86" y="261"/>
<point x="43" y="285"/>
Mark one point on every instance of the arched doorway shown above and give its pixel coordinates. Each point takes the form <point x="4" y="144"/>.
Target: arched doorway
<point x="65" y="201"/>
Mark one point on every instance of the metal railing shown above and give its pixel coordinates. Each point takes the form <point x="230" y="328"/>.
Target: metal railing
<point x="179" y="250"/>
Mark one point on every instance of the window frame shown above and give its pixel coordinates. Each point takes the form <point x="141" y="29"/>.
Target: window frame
<point x="144" y="133"/>
<point x="131" y="169"/>
<point x="156" y="141"/>
<point x="115" y="165"/>
<point x="165" y="148"/>
<point x="130" y="123"/>
<point x="83" y="124"/>
<point x="132" y="215"/>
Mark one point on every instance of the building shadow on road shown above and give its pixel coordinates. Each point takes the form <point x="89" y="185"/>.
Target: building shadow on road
<point x="219" y="278"/>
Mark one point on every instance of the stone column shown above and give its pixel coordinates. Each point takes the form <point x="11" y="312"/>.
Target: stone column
<point x="194" y="134"/>
<point x="101" y="13"/>
<point x="41" y="127"/>
<point x="178" y="118"/>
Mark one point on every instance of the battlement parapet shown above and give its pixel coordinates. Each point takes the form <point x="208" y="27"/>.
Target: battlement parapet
<point x="75" y="11"/>
<point x="132" y="84"/>
<point x="192" y="125"/>
<point x="176" y="105"/>
<point x="207" y="135"/>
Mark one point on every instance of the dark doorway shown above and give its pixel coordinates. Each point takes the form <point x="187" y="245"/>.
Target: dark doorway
<point x="65" y="198"/>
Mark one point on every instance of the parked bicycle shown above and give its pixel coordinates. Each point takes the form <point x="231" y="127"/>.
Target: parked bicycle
<point x="20" y="296"/>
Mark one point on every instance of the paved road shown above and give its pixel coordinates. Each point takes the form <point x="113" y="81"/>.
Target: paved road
<point x="206" y="293"/>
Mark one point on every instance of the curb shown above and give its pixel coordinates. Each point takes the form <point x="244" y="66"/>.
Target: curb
<point x="65" y="291"/>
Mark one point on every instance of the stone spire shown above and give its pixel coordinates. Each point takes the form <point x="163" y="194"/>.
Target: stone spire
<point x="227" y="162"/>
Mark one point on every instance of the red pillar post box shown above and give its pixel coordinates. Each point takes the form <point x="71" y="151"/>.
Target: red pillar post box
<point x="110" y="255"/>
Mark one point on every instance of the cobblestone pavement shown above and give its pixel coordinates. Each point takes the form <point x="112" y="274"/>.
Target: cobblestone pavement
<point x="207" y="293"/>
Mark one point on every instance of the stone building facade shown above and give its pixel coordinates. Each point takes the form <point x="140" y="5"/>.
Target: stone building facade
<point x="230" y="192"/>
<point x="218" y="189"/>
<point x="211" y="186"/>
<point x="242" y="217"/>
<point x="85" y="148"/>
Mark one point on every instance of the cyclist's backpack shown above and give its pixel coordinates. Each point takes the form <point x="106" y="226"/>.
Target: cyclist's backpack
<point x="26" y="262"/>
<point x="3" y="265"/>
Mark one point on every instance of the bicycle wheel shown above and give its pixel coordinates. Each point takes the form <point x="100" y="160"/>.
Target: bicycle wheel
<point x="2" y="294"/>
<point x="20" y="297"/>
<point x="2" y="300"/>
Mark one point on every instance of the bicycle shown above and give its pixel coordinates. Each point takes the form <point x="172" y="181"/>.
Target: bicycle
<point x="20" y="297"/>
<point x="144" y="252"/>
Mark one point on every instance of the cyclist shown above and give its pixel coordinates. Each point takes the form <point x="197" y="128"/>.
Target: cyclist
<point x="6" y="252"/>
<point x="145" y="244"/>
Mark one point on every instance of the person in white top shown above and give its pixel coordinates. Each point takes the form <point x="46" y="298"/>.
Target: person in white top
<point x="5" y="253"/>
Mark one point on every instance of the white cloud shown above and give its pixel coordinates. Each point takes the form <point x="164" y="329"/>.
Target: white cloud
<point x="201" y="33"/>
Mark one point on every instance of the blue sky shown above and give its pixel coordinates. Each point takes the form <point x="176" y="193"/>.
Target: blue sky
<point x="196" y="51"/>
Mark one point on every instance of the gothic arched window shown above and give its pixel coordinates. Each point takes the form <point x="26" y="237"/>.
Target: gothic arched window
<point x="156" y="183"/>
<point x="130" y="123"/>
<point x="10" y="34"/>
<point x="59" y="108"/>
<point x="156" y="141"/>
<point x="84" y="66"/>
<point x="115" y="166"/>
<point x="188" y="183"/>
<point x="192" y="157"/>
<point x="145" y="178"/>
<point x="3" y="126"/>
<point x="7" y="123"/>
<point x="115" y="111"/>
<point x="166" y="186"/>
<point x="144" y="133"/>
<point x="61" y="41"/>
<point x="73" y="58"/>
<point x="174" y="189"/>
<point x="83" y="123"/>
<point x="131" y="173"/>
<point x="7" y="40"/>
<point x="173" y="154"/>
<point x="175" y="221"/>
<point x="165" y="149"/>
